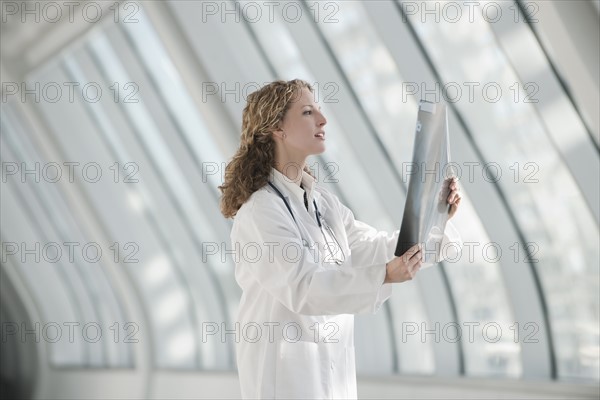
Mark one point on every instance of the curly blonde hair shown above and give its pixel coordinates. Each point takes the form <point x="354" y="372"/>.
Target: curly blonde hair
<point x="250" y="167"/>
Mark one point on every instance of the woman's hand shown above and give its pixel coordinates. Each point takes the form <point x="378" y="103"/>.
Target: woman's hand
<point x="453" y="197"/>
<point x="405" y="267"/>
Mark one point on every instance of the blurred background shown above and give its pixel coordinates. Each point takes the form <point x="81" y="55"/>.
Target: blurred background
<point x="118" y="118"/>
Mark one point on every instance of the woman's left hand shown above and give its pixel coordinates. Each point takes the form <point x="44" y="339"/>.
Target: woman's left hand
<point x="453" y="197"/>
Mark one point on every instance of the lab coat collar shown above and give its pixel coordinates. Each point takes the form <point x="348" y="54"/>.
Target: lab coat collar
<point x="286" y="186"/>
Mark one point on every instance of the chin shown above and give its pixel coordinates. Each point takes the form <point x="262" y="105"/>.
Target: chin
<point x="319" y="150"/>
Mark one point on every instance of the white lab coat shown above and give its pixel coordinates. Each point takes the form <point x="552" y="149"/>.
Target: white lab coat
<point x="295" y="319"/>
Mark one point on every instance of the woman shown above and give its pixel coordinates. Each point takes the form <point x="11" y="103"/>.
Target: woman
<point x="305" y="265"/>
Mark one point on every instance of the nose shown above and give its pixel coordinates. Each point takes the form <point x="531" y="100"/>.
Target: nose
<point x="322" y="119"/>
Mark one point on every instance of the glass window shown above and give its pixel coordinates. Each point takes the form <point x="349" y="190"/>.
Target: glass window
<point x="91" y="302"/>
<point x="541" y="191"/>
<point x="159" y="212"/>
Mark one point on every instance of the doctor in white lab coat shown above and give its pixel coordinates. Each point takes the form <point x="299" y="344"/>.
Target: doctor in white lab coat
<point x="304" y="264"/>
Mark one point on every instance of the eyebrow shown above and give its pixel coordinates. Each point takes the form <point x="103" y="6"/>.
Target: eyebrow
<point x="308" y="105"/>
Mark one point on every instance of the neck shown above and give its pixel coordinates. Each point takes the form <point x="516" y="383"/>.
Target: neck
<point x="291" y="168"/>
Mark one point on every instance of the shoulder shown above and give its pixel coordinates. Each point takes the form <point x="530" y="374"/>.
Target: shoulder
<point x="261" y="202"/>
<point x="264" y="213"/>
<point x="325" y="193"/>
<point x="328" y="199"/>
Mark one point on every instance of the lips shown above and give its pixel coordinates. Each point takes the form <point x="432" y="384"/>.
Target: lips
<point x="320" y="135"/>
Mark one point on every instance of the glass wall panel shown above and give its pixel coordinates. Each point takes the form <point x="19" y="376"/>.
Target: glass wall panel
<point x="540" y="189"/>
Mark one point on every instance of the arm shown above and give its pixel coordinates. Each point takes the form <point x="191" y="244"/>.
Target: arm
<point x="369" y="246"/>
<point x="292" y="274"/>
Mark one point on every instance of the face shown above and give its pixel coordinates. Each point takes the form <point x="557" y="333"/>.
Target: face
<point x="303" y="126"/>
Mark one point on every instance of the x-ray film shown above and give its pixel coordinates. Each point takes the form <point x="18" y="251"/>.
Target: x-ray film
<point x="426" y="209"/>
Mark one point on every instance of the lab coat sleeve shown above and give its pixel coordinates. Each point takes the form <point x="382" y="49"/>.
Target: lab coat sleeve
<point x="368" y="245"/>
<point x="290" y="273"/>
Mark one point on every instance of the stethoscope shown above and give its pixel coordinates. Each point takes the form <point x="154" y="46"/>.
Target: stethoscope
<point x="319" y="216"/>
<point x="317" y="213"/>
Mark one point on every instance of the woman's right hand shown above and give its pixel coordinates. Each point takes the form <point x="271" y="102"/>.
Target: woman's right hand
<point x="405" y="267"/>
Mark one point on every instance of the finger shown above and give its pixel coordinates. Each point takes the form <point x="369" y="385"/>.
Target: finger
<point x="413" y="271"/>
<point x="454" y="183"/>
<point x="408" y="261"/>
<point x="417" y="258"/>
<point x="451" y="196"/>
<point x="410" y="273"/>
<point x="410" y="252"/>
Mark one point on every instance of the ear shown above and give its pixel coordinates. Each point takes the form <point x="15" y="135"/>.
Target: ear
<point x="279" y="132"/>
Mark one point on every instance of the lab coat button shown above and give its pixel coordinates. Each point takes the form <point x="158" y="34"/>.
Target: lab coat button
<point x="332" y="365"/>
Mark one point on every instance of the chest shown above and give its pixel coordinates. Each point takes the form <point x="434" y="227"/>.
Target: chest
<point x="322" y="231"/>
